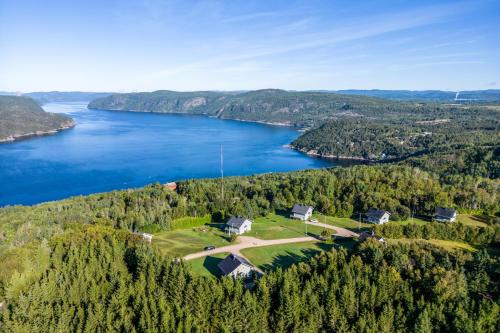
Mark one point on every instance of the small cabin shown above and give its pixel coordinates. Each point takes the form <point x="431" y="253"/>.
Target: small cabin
<point x="145" y="236"/>
<point x="301" y="212"/>
<point x="235" y="266"/>
<point x="238" y="225"/>
<point x="445" y="214"/>
<point x="367" y="235"/>
<point x="377" y="216"/>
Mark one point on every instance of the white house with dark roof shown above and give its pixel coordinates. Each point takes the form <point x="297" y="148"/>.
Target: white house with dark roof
<point x="377" y="216"/>
<point x="235" y="266"/>
<point x="445" y="214"/>
<point x="301" y="212"/>
<point x="238" y="225"/>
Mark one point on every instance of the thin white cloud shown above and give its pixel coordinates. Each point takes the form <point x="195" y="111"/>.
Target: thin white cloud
<point x="362" y="28"/>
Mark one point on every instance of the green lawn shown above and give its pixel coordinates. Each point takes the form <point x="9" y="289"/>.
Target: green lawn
<point x="446" y="244"/>
<point x="283" y="255"/>
<point x="343" y="222"/>
<point x="276" y="226"/>
<point x="178" y="243"/>
<point x="207" y="266"/>
<point x="411" y="221"/>
<point x="472" y="220"/>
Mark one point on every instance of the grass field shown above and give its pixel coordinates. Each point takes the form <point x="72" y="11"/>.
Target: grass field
<point x="411" y="221"/>
<point x="276" y="226"/>
<point x="343" y="222"/>
<point x="207" y="266"/>
<point x="178" y="243"/>
<point x="284" y="255"/>
<point x="475" y="221"/>
<point x="445" y="244"/>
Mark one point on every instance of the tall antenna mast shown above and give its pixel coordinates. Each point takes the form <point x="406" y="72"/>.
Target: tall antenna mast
<point x="222" y="171"/>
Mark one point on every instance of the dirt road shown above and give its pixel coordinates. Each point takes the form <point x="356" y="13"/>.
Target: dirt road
<point x="338" y="230"/>
<point x="245" y="242"/>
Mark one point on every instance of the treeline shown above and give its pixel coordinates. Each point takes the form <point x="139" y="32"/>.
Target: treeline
<point x="448" y="231"/>
<point x="97" y="280"/>
<point x="337" y="192"/>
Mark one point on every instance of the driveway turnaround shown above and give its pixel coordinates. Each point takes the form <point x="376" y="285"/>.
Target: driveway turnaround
<point x="338" y="231"/>
<point x="245" y="242"/>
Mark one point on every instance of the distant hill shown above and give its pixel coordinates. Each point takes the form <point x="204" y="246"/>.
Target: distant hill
<point x="275" y="106"/>
<point x="492" y="95"/>
<point x="23" y="117"/>
<point x="65" y="96"/>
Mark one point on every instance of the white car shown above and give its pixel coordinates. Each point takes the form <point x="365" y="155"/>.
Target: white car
<point x="313" y="221"/>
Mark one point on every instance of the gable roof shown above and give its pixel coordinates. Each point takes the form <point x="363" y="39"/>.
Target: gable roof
<point x="445" y="212"/>
<point x="236" y="221"/>
<point x="376" y="213"/>
<point x="231" y="262"/>
<point x="300" y="209"/>
<point x="365" y="235"/>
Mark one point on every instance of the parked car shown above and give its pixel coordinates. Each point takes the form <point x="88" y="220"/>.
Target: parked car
<point x="313" y="221"/>
<point x="209" y="247"/>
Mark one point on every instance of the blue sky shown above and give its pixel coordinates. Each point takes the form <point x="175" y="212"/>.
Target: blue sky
<point x="144" y="45"/>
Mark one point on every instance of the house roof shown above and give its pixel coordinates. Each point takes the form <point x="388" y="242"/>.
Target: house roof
<point x="236" y="221"/>
<point x="300" y="209"/>
<point x="376" y="213"/>
<point x="445" y="212"/>
<point x="231" y="262"/>
<point x="365" y="235"/>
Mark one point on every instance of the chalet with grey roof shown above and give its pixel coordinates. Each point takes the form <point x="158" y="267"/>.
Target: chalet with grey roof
<point x="445" y="214"/>
<point x="235" y="266"/>
<point x="377" y="216"/>
<point x="238" y="225"/>
<point x="301" y="212"/>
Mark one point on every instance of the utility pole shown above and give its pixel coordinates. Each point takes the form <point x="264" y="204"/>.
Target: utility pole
<point x="359" y="221"/>
<point x="222" y="172"/>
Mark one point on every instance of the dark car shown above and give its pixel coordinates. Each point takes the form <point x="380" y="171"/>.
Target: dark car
<point x="210" y="247"/>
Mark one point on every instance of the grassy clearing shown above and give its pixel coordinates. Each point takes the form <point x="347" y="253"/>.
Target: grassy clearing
<point x="411" y="221"/>
<point x="283" y="255"/>
<point x="207" y="266"/>
<point x="472" y="220"/>
<point x="343" y="222"/>
<point x="179" y="243"/>
<point x="190" y="222"/>
<point x="445" y="244"/>
<point x="276" y="227"/>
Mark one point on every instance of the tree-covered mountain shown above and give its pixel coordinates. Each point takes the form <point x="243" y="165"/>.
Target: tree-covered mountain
<point x="290" y="108"/>
<point x="23" y="117"/>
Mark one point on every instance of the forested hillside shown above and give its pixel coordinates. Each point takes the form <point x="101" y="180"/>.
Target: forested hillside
<point x="73" y="265"/>
<point x="381" y="139"/>
<point x="22" y="116"/>
<point x="98" y="279"/>
<point x="300" y="109"/>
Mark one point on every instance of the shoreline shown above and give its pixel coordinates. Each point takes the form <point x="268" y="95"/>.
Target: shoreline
<point x="280" y="124"/>
<point x="315" y="153"/>
<point x="12" y="138"/>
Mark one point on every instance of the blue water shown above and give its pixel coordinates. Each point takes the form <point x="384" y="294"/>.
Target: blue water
<point x="116" y="150"/>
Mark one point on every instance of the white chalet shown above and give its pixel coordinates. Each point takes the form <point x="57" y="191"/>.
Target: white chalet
<point x="235" y="266"/>
<point x="445" y="214"/>
<point x="377" y="216"/>
<point x="301" y="212"/>
<point x="238" y="225"/>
